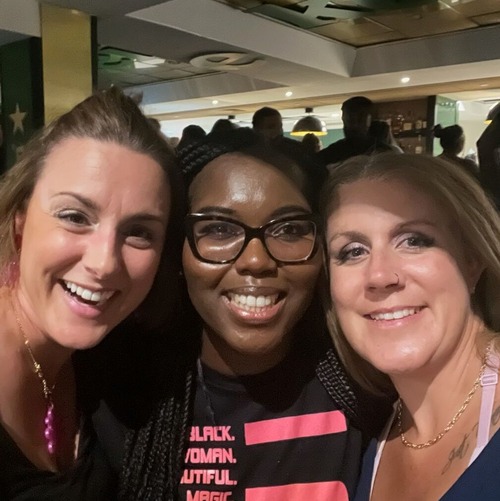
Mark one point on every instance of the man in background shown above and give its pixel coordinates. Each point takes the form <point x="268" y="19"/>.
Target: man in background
<point x="268" y="122"/>
<point x="357" y="115"/>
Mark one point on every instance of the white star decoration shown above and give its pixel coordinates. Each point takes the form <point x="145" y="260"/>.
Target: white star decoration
<point x="17" y="117"/>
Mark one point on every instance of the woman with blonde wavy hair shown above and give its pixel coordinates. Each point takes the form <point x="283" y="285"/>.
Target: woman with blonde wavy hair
<point x="414" y="261"/>
<point x="88" y="238"/>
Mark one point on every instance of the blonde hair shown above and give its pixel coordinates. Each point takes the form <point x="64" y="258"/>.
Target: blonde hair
<point x="105" y="116"/>
<point x="467" y="205"/>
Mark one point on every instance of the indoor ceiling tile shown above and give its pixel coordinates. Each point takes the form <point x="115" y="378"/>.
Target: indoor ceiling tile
<point x="359" y="32"/>
<point x="472" y="8"/>
<point x="493" y="18"/>
<point x="425" y="21"/>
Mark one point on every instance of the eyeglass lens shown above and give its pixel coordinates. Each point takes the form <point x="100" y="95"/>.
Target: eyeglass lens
<point x="287" y="241"/>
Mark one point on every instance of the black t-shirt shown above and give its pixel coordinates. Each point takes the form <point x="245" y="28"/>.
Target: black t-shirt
<point x="274" y="436"/>
<point x="90" y="479"/>
<point x="344" y="149"/>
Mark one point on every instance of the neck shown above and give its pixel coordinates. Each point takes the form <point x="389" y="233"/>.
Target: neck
<point x="221" y="357"/>
<point x="50" y="355"/>
<point x="432" y="397"/>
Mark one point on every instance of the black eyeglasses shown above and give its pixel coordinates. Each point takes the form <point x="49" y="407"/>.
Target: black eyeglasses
<point x="221" y="240"/>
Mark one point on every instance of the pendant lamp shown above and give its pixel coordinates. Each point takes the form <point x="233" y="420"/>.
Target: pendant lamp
<point x="309" y="124"/>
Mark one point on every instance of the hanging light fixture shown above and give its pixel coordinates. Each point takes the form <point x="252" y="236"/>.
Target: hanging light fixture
<point x="309" y="125"/>
<point x="494" y="111"/>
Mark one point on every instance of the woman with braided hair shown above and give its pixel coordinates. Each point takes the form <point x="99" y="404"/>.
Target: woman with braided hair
<point x="258" y="406"/>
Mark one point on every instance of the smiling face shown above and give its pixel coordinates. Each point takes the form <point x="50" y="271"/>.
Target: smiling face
<point x="249" y="307"/>
<point x="91" y="240"/>
<point x="400" y="283"/>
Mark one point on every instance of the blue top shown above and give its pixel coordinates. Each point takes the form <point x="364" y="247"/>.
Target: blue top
<point x="481" y="480"/>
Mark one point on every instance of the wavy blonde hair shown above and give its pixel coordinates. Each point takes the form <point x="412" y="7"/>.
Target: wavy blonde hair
<point x="108" y="116"/>
<point x="467" y="205"/>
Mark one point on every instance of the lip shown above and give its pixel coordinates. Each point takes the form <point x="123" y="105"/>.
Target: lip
<point x="394" y="314"/>
<point x="90" y="296"/>
<point x="263" y="307"/>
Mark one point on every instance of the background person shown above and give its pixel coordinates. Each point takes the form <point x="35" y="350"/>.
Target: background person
<point x="190" y="134"/>
<point x="357" y="113"/>
<point x="268" y="122"/>
<point x="85" y="215"/>
<point x="414" y="261"/>
<point x="384" y="141"/>
<point x="488" y="150"/>
<point x="259" y="359"/>
<point x="452" y="140"/>
<point x="312" y="143"/>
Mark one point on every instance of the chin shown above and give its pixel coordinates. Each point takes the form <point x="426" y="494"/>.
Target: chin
<point x="83" y="342"/>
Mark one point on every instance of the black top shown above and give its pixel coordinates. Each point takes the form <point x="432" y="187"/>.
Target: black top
<point x="90" y="479"/>
<point x="345" y="148"/>
<point x="277" y="435"/>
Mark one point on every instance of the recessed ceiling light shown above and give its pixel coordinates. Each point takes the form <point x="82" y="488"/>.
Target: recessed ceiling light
<point x="288" y="93"/>
<point x="215" y="101"/>
<point x="405" y="80"/>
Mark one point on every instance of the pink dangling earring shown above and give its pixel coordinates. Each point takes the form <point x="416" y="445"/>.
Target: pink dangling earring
<point x="10" y="274"/>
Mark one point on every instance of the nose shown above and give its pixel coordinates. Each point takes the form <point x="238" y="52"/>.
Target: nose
<point x="383" y="272"/>
<point x="255" y="260"/>
<point x="102" y="258"/>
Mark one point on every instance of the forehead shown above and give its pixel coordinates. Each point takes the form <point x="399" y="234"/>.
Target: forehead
<point x="237" y="179"/>
<point x="270" y="121"/>
<point x="375" y="198"/>
<point x="102" y="169"/>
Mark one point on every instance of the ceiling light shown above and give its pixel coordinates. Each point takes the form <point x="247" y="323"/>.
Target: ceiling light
<point x="405" y="80"/>
<point x="309" y="124"/>
<point x="289" y="93"/>
<point x="215" y="101"/>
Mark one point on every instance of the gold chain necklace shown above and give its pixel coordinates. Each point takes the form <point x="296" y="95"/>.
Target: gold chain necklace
<point x="47" y="389"/>
<point x="452" y="421"/>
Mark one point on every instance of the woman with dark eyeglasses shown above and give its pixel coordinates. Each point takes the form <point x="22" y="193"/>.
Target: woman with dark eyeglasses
<point x="259" y="407"/>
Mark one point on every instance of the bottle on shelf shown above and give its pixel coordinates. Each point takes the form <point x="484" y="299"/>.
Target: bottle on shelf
<point x="408" y="122"/>
<point x="419" y="148"/>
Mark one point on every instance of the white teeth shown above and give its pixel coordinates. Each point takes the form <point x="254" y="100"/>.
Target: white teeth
<point x="394" y="315"/>
<point x="87" y="294"/>
<point x="252" y="303"/>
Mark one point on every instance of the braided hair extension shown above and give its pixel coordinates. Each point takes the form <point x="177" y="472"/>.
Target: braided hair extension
<point x="155" y="452"/>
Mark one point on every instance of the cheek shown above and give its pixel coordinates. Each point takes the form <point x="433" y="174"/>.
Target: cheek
<point x="142" y="266"/>
<point x="200" y="276"/>
<point x="342" y="285"/>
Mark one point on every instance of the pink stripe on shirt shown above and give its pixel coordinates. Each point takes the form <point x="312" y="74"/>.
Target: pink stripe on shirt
<point x="288" y="428"/>
<point x="317" y="491"/>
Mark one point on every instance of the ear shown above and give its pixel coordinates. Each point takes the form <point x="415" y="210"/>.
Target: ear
<point x="474" y="269"/>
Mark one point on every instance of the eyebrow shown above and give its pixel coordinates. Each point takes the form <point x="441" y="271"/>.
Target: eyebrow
<point x="91" y="205"/>
<point x="281" y="211"/>
<point x="356" y="235"/>
<point x="414" y="222"/>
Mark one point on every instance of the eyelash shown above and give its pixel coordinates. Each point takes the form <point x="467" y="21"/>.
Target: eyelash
<point x="137" y="236"/>
<point x="347" y="253"/>
<point x="70" y="216"/>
